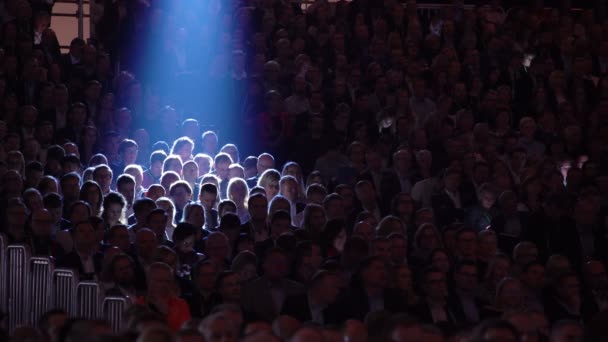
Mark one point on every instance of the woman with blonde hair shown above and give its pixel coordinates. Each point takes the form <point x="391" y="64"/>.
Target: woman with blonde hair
<point x="167" y="205"/>
<point x="238" y="192"/>
<point x="269" y="180"/>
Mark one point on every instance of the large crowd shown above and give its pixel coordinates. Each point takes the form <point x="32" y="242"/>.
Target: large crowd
<point x="366" y="173"/>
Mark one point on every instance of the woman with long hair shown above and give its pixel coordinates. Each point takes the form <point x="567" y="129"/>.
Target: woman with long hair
<point x="90" y="192"/>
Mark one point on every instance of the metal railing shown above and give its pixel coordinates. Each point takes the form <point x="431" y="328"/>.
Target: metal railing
<point x="30" y="286"/>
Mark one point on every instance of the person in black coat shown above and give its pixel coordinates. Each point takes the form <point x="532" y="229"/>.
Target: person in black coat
<point x="369" y="292"/>
<point x="434" y="308"/>
<point x="447" y="203"/>
<point x="84" y="257"/>
<point x="313" y="306"/>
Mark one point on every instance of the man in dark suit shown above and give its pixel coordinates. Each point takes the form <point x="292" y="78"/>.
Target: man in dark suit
<point x="312" y="306"/>
<point x="84" y="257"/>
<point x="447" y="203"/>
<point x="368" y="293"/>
<point x="203" y="297"/>
<point x="208" y="197"/>
<point x="72" y="61"/>
<point x="596" y="286"/>
<point x="434" y="308"/>
<point x="265" y="296"/>
<point x="461" y="299"/>
<point x="510" y="224"/>
<point x="385" y="181"/>
<point x="257" y="226"/>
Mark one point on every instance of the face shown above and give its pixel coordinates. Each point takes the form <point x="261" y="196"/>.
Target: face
<point x="279" y="227"/>
<point x="428" y="239"/>
<point x="487" y="199"/>
<point x="376" y="274"/>
<point x="84" y="235"/>
<point x="113" y="213"/>
<point x="42" y="223"/>
<point x="208" y="199"/>
<point x="398" y="250"/>
<point x="364" y="230"/>
<point x="466" y="278"/>
<point x="185" y="152"/>
<point x="230" y="288"/>
<point x="130" y="155"/>
<point x="436" y="287"/>
<point x="264" y="163"/>
<point x="160" y="283"/>
<point x="258" y="208"/>
<point x="120" y="239"/>
<point x="190" y="172"/>
<point x="289" y="190"/>
<point x="272" y="189"/>
<point x="488" y="245"/>
<point x="466" y="244"/>
<point x="222" y="170"/>
<point x="70" y="188"/>
<point x="103" y="177"/>
<point x="146" y="243"/>
<point x="238" y="193"/>
<point x="128" y="191"/>
<point x="123" y="271"/>
<point x="181" y="196"/>
<point x="441" y="261"/>
<point x="276" y="266"/>
<point x="196" y="216"/>
<point x="205" y="279"/>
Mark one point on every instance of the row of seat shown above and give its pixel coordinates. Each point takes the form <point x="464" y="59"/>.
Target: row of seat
<point x="30" y="286"/>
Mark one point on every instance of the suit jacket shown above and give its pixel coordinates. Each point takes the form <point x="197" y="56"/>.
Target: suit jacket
<point x="456" y="307"/>
<point x="257" y="297"/>
<point x="298" y="307"/>
<point x="200" y="306"/>
<point x="389" y="187"/>
<point x="445" y="210"/>
<point x="507" y="242"/>
<point x="354" y="304"/>
<point x="72" y="260"/>
<point x="423" y="312"/>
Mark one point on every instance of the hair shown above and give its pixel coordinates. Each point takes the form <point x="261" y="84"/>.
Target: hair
<point x="208" y="187"/>
<point x="125" y="144"/>
<point x="98" y="168"/>
<point x="141" y="203"/>
<point x="233" y="183"/>
<point x="222" y="157"/>
<point x="85" y="188"/>
<point x="179" y="143"/>
<point x="231" y="146"/>
<point x="168" y="201"/>
<point x="182" y="231"/>
<point x="114" y="198"/>
<point x="268" y="176"/>
<point x="52" y="200"/>
<point x="188" y="210"/>
<point x="158" y="156"/>
<point x="124" y="179"/>
<point x="225" y="203"/>
<point x="170" y="159"/>
<point x="180" y="183"/>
